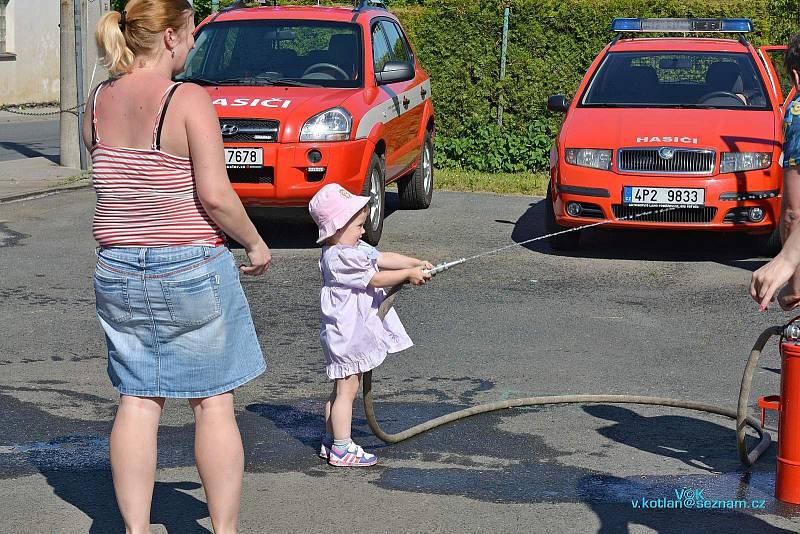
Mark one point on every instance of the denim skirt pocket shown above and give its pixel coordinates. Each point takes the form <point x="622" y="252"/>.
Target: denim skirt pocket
<point x="111" y="295"/>
<point x="193" y="302"/>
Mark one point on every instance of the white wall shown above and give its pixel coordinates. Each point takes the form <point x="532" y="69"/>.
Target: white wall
<point x="33" y="35"/>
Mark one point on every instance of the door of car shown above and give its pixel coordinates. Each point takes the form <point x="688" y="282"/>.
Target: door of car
<point x="401" y="128"/>
<point x="781" y="85"/>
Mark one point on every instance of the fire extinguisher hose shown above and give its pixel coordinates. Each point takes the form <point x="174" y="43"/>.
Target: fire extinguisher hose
<point x="743" y="420"/>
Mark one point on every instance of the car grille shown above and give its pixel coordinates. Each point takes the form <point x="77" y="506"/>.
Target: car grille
<point x="677" y="215"/>
<point x="249" y="131"/>
<point x="262" y="175"/>
<point x="652" y="160"/>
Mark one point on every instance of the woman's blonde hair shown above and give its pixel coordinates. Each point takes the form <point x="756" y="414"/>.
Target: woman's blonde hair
<point x="121" y="37"/>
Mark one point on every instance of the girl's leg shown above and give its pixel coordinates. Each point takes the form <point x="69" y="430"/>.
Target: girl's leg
<point x="219" y="455"/>
<point x="328" y="406"/>
<point x="342" y="407"/>
<point x="133" y="459"/>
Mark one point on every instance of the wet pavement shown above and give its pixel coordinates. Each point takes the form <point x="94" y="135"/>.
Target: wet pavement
<point x="638" y="313"/>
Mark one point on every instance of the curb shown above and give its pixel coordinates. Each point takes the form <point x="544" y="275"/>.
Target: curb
<point x="83" y="183"/>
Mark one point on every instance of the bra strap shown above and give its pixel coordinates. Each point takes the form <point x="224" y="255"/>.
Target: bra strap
<point x="163" y="114"/>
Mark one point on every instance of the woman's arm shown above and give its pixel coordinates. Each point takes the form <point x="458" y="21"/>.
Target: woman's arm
<point x="213" y="187"/>
<point x="393" y="260"/>
<point x="789" y="296"/>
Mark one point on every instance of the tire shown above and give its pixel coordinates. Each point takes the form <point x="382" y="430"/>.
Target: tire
<point x="768" y="244"/>
<point x="568" y="241"/>
<point x="374" y="186"/>
<point x="416" y="189"/>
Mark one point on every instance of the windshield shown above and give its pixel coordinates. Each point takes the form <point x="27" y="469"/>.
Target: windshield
<point x="677" y="79"/>
<point x="277" y="52"/>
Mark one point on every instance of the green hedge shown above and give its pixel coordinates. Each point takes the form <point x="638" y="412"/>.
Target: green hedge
<point x="551" y="44"/>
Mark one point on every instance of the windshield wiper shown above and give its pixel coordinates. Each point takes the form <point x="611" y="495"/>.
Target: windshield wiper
<point x="284" y="81"/>
<point x="205" y="81"/>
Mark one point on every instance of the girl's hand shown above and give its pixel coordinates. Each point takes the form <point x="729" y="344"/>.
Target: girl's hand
<point x="767" y="280"/>
<point x="788" y="299"/>
<point x="417" y="276"/>
<point x="260" y="259"/>
<point x="426" y="265"/>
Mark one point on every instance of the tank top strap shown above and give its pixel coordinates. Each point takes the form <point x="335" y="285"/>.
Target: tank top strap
<point x="95" y="134"/>
<point x="162" y="113"/>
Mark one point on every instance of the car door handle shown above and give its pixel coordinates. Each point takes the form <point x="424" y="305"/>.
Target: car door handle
<point x="423" y="93"/>
<point x="406" y="102"/>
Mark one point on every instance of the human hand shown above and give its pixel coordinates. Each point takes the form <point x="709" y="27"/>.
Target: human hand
<point x="417" y="276"/>
<point x="426" y="265"/>
<point x="767" y="280"/>
<point x="260" y="259"/>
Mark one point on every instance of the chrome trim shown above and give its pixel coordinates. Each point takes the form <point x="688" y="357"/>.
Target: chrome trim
<point x="675" y="151"/>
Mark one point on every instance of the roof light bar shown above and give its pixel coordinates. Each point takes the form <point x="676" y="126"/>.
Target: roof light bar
<point x="683" y="25"/>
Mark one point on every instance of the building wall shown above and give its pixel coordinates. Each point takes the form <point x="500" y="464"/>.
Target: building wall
<point x="33" y="35"/>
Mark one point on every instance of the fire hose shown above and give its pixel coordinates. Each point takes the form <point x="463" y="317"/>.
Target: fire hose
<point x="740" y="414"/>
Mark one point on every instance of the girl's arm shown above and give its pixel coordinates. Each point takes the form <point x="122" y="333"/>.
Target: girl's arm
<point x="393" y="277"/>
<point x="393" y="260"/>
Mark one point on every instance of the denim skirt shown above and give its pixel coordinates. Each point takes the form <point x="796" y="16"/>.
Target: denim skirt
<point x="177" y="322"/>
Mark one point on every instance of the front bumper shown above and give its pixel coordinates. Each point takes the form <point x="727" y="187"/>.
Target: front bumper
<point x="727" y="198"/>
<point x="286" y="179"/>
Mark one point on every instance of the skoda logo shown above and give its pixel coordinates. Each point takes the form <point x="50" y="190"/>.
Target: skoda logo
<point x="665" y="152"/>
<point x="229" y="129"/>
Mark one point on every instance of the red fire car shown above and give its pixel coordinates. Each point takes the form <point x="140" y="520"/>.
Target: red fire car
<point x="671" y="133"/>
<point x="312" y="95"/>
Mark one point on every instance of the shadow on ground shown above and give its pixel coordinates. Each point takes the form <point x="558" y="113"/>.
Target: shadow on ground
<point x="32" y="150"/>
<point x="650" y="245"/>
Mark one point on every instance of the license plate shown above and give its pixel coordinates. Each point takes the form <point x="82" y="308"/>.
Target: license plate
<point x="663" y="196"/>
<point x="244" y="158"/>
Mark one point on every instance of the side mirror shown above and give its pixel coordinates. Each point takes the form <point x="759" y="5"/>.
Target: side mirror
<point x="395" y="71"/>
<point x="558" y="103"/>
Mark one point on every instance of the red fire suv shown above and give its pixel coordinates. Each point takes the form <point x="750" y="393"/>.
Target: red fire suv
<point x="671" y="133"/>
<point x="308" y="96"/>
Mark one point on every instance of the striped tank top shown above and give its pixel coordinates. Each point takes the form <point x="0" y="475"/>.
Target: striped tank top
<point x="147" y="198"/>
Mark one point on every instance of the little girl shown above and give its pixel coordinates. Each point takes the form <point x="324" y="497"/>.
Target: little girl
<point x="353" y="337"/>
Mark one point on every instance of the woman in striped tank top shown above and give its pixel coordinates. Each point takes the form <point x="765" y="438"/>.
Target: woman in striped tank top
<point x="176" y="320"/>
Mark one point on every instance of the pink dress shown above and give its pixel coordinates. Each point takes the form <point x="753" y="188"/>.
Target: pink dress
<point x="353" y="338"/>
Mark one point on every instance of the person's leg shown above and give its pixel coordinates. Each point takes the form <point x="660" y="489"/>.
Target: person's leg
<point x="132" y="448"/>
<point x="328" y="406"/>
<point x="219" y="455"/>
<point x="342" y="407"/>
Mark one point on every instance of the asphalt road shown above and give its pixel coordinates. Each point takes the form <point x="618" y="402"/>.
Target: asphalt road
<point x="29" y="139"/>
<point x="639" y="313"/>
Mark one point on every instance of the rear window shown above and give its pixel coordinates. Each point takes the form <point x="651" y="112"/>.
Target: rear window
<point x="278" y="52"/>
<point x="677" y="79"/>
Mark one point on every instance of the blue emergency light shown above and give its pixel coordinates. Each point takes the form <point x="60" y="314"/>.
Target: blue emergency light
<point x="683" y="25"/>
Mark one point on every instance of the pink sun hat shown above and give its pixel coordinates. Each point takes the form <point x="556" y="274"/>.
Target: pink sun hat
<point x="332" y="207"/>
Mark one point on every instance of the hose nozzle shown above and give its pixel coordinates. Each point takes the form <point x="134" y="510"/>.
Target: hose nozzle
<point x="444" y="266"/>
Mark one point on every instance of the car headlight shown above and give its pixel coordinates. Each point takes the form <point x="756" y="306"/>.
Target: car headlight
<point x="596" y="158"/>
<point x="331" y="125"/>
<point x="744" y="161"/>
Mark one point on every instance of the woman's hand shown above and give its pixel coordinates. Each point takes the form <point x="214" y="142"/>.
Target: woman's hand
<point x="417" y="276"/>
<point x="425" y="265"/>
<point x="767" y="280"/>
<point x="260" y="259"/>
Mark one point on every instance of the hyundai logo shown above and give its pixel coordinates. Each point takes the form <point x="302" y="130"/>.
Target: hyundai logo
<point x="665" y="152"/>
<point x="229" y="129"/>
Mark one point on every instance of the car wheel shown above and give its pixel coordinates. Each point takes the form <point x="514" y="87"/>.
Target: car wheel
<point x="416" y="189"/>
<point x="568" y="241"/>
<point x="768" y="244"/>
<point x="374" y="184"/>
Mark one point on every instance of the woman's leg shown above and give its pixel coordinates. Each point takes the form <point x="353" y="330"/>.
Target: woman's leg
<point x="342" y="407"/>
<point x="220" y="458"/>
<point x="133" y="459"/>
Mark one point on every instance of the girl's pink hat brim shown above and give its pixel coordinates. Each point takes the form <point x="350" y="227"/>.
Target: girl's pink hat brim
<point x="332" y="207"/>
